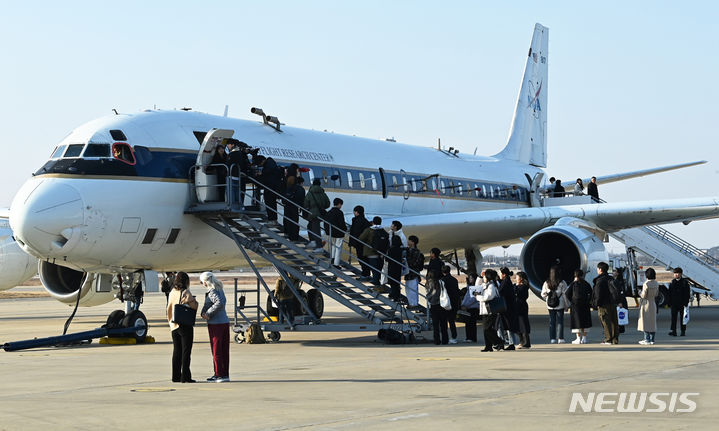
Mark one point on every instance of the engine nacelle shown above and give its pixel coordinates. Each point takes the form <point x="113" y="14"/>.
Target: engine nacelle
<point x="16" y="266"/>
<point x="565" y="244"/>
<point x="63" y="283"/>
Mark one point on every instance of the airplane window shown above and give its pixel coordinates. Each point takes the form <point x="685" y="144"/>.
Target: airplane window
<point x="434" y="185"/>
<point x="174" y="233"/>
<point x="349" y="179"/>
<point x="312" y="176"/>
<point x="394" y="181"/>
<point x="476" y="190"/>
<point x="459" y="188"/>
<point x="414" y="184"/>
<point x="337" y="179"/>
<point x="74" y="150"/>
<point x="149" y="236"/>
<point x="122" y="152"/>
<point x="58" y="152"/>
<point x="97" y="150"/>
<point x="451" y="188"/>
<point x="491" y="191"/>
<point x="441" y="186"/>
<point x="361" y="178"/>
<point x="325" y="178"/>
<point x="484" y="191"/>
<point x="374" y="182"/>
<point x="405" y="189"/>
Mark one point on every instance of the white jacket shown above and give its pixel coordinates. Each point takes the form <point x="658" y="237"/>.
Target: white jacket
<point x="487" y="292"/>
<point x="561" y="292"/>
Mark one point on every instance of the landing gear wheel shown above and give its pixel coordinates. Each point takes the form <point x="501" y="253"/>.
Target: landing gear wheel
<point x="316" y="302"/>
<point x="662" y="297"/>
<point x="114" y="320"/>
<point x="240" y="337"/>
<point x="274" y="336"/>
<point x="136" y="318"/>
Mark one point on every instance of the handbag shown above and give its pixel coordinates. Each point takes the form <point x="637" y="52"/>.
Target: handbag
<point x="685" y="317"/>
<point x="444" y="297"/>
<point x="622" y="316"/>
<point x="183" y="314"/>
<point x="496" y="305"/>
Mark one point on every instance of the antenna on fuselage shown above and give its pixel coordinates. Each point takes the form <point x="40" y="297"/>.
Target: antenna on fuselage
<point x="226" y="108"/>
<point x="115" y="111"/>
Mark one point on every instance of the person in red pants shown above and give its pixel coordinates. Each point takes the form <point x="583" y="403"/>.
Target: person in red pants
<point x="218" y="326"/>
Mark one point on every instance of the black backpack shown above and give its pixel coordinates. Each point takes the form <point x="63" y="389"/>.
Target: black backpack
<point x="380" y="240"/>
<point x="415" y="259"/>
<point x="553" y="299"/>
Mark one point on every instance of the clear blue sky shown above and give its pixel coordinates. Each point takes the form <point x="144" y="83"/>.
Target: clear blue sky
<point x="631" y="84"/>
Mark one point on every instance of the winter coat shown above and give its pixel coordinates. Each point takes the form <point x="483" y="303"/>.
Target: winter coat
<point x="366" y="237"/>
<point x="592" y="190"/>
<point x="178" y="297"/>
<point x="558" y="191"/>
<point x="336" y="218"/>
<point x="401" y="236"/>
<point x="602" y="292"/>
<point x="239" y="159"/>
<point x="359" y="224"/>
<point x="271" y="176"/>
<point x="434" y="265"/>
<point x="510" y="317"/>
<point x="214" y="307"/>
<point x="648" y="307"/>
<point x="295" y="193"/>
<point x="579" y="295"/>
<point x="452" y="286"/>
<point x="561" y="293"/>
<point x="679" y="292"/>
<point x="433" y="291"/>
<point x="578" y="190"/>
<point x="521" y="292"/>
<point x="415" y="260"/>
<point x="488" y="293"/>
<point x="316" y="201"/>
<point x="394" y="266"/>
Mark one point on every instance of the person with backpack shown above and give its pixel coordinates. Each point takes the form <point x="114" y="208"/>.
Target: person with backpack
<point x="579" y="294"/>
<point x="316" y="203"/>
<point x="605" y="299"/>
<point x="452" y="286"/>
<point x="554" y="293"/>
<point x="436" y="312"/>
<point x="359" y="224"/>
<point x="415" y="261"/>
<point x="378" y="243"/>
<point x="336" y="229"/>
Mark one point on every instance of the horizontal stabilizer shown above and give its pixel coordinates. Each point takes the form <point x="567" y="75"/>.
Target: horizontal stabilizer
<point x="644" y="172"/>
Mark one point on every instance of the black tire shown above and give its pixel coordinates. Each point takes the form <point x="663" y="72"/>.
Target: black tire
<point x="299" y="310"/>
<point x="316" y="302"/>
<point x="114" y="320"/>
<point x="136" y="318"/>
<point x="240" y="337"/>
<point x="274" y="336"/>
<point x="272" y="311"/>
<point x="662" y="298"/>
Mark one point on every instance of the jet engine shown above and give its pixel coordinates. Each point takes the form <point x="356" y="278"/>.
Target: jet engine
<point x="63" y="284"/>
<point x="16" y="266"/>
<point x="570" y="244"/>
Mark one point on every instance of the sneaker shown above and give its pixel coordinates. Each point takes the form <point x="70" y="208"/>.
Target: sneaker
<point x="510" y="347"/>
<point x="553" y="341"/>
<point x="452" y="341"/>
<point x="643" y="342"/>
<point x="651" y="342"/>
<point x="577" y="341"/>
<point x="673" y="334"/>
<point x="212" y="379"/>
<point x="222" y="379"/>
<point x="584" y="340"/>
<point x="561" y="341"/>
<point x="605" y="343"/>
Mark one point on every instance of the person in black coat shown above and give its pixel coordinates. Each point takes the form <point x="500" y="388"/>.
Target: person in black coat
<point x="271" y="179"/>
<point x="359" y="224"/>
<point x="394" y="267"/>
<point x="592" y="189"/>
<point x="452" y="286"/>
<point x="238" y="162"/>
<point x="295" y="197"/>
<point x="558" y="189"/>
<point x="521" y="291"/>
<point x="579" y="294"/>
<point x="435" y="263"/>
<point x="336" y="229"/>
<point x="603" y="299"/>
<point x="509" y="319"/>
<point x="679" y="293"/>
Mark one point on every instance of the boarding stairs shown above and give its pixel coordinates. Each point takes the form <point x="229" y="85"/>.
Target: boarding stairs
<point x="671" y="251"/>
<point x="251" y="231"/>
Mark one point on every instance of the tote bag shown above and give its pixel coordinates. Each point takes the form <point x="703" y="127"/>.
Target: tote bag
<point x="183" y="315"/>
<point x="444" y="297"/>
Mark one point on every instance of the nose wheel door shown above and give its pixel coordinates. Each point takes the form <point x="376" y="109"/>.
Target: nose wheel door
<point x="206" y="185"/>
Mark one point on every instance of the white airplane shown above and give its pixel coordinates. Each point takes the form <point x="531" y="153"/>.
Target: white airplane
<point x="113" y="194"/>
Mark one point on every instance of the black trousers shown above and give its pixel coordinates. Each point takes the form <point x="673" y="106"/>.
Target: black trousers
<point x="470" y="328"/>
<point x="451" y="316"/>
<point x="292" y="230"/>
<point x="490" y="331"/>
<point x="361" y="258"/>
<point x="678" y="313"/>
<point x="439" y="324"/>
<point x="271" y="203"/>
<point x="181" y="350"/>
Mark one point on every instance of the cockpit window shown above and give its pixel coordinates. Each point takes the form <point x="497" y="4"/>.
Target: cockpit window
<point x="74" y="150"/>
<point x="97" y="150"/>
<point x="122" y="151"/>
<point x="58" y="152"/>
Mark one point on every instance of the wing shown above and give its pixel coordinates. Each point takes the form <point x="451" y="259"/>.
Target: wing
<point x="503" y="227"/>
<point x="635" y="174"/>
<point x="5" y="230"/>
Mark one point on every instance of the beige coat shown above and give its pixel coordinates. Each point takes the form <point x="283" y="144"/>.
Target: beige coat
<point x="174" y="298"/>
<point x="648" y="307"/>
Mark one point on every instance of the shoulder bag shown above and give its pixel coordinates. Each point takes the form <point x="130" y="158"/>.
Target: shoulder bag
<point x="183" y="314"/>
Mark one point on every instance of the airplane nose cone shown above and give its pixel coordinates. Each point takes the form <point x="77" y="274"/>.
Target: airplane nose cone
<point x="43" y="218"/>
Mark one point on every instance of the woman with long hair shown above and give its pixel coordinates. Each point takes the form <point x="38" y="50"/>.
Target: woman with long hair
<point x="553" y="292"/>
<point x="648" y="311"/>
<point x="182" y="335"/>
<point x="218" y="326"/>
<point x="521" y="290"/>
<point x="487" y="292"/>
<point x="579" y="295"/>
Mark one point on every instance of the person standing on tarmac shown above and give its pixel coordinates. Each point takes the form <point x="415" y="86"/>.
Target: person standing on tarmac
<point x="521" y="291"/>
<point x="452" y="286"/>
<point x="603" y="299"/>
<point x="679" y="293"/>
<point x="218" y="326"/>
<point x="182" y="335"/>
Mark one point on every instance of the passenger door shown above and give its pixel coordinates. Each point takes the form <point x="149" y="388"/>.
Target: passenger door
<point x="206" y="184"/>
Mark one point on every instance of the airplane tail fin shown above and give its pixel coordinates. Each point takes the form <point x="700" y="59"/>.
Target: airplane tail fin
<point x="527" y="142"/>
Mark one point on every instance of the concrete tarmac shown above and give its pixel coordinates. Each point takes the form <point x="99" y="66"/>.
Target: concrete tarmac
<point x="346" y="380"/>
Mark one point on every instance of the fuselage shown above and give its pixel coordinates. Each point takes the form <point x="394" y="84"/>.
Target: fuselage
<point x="91" y="211"/>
